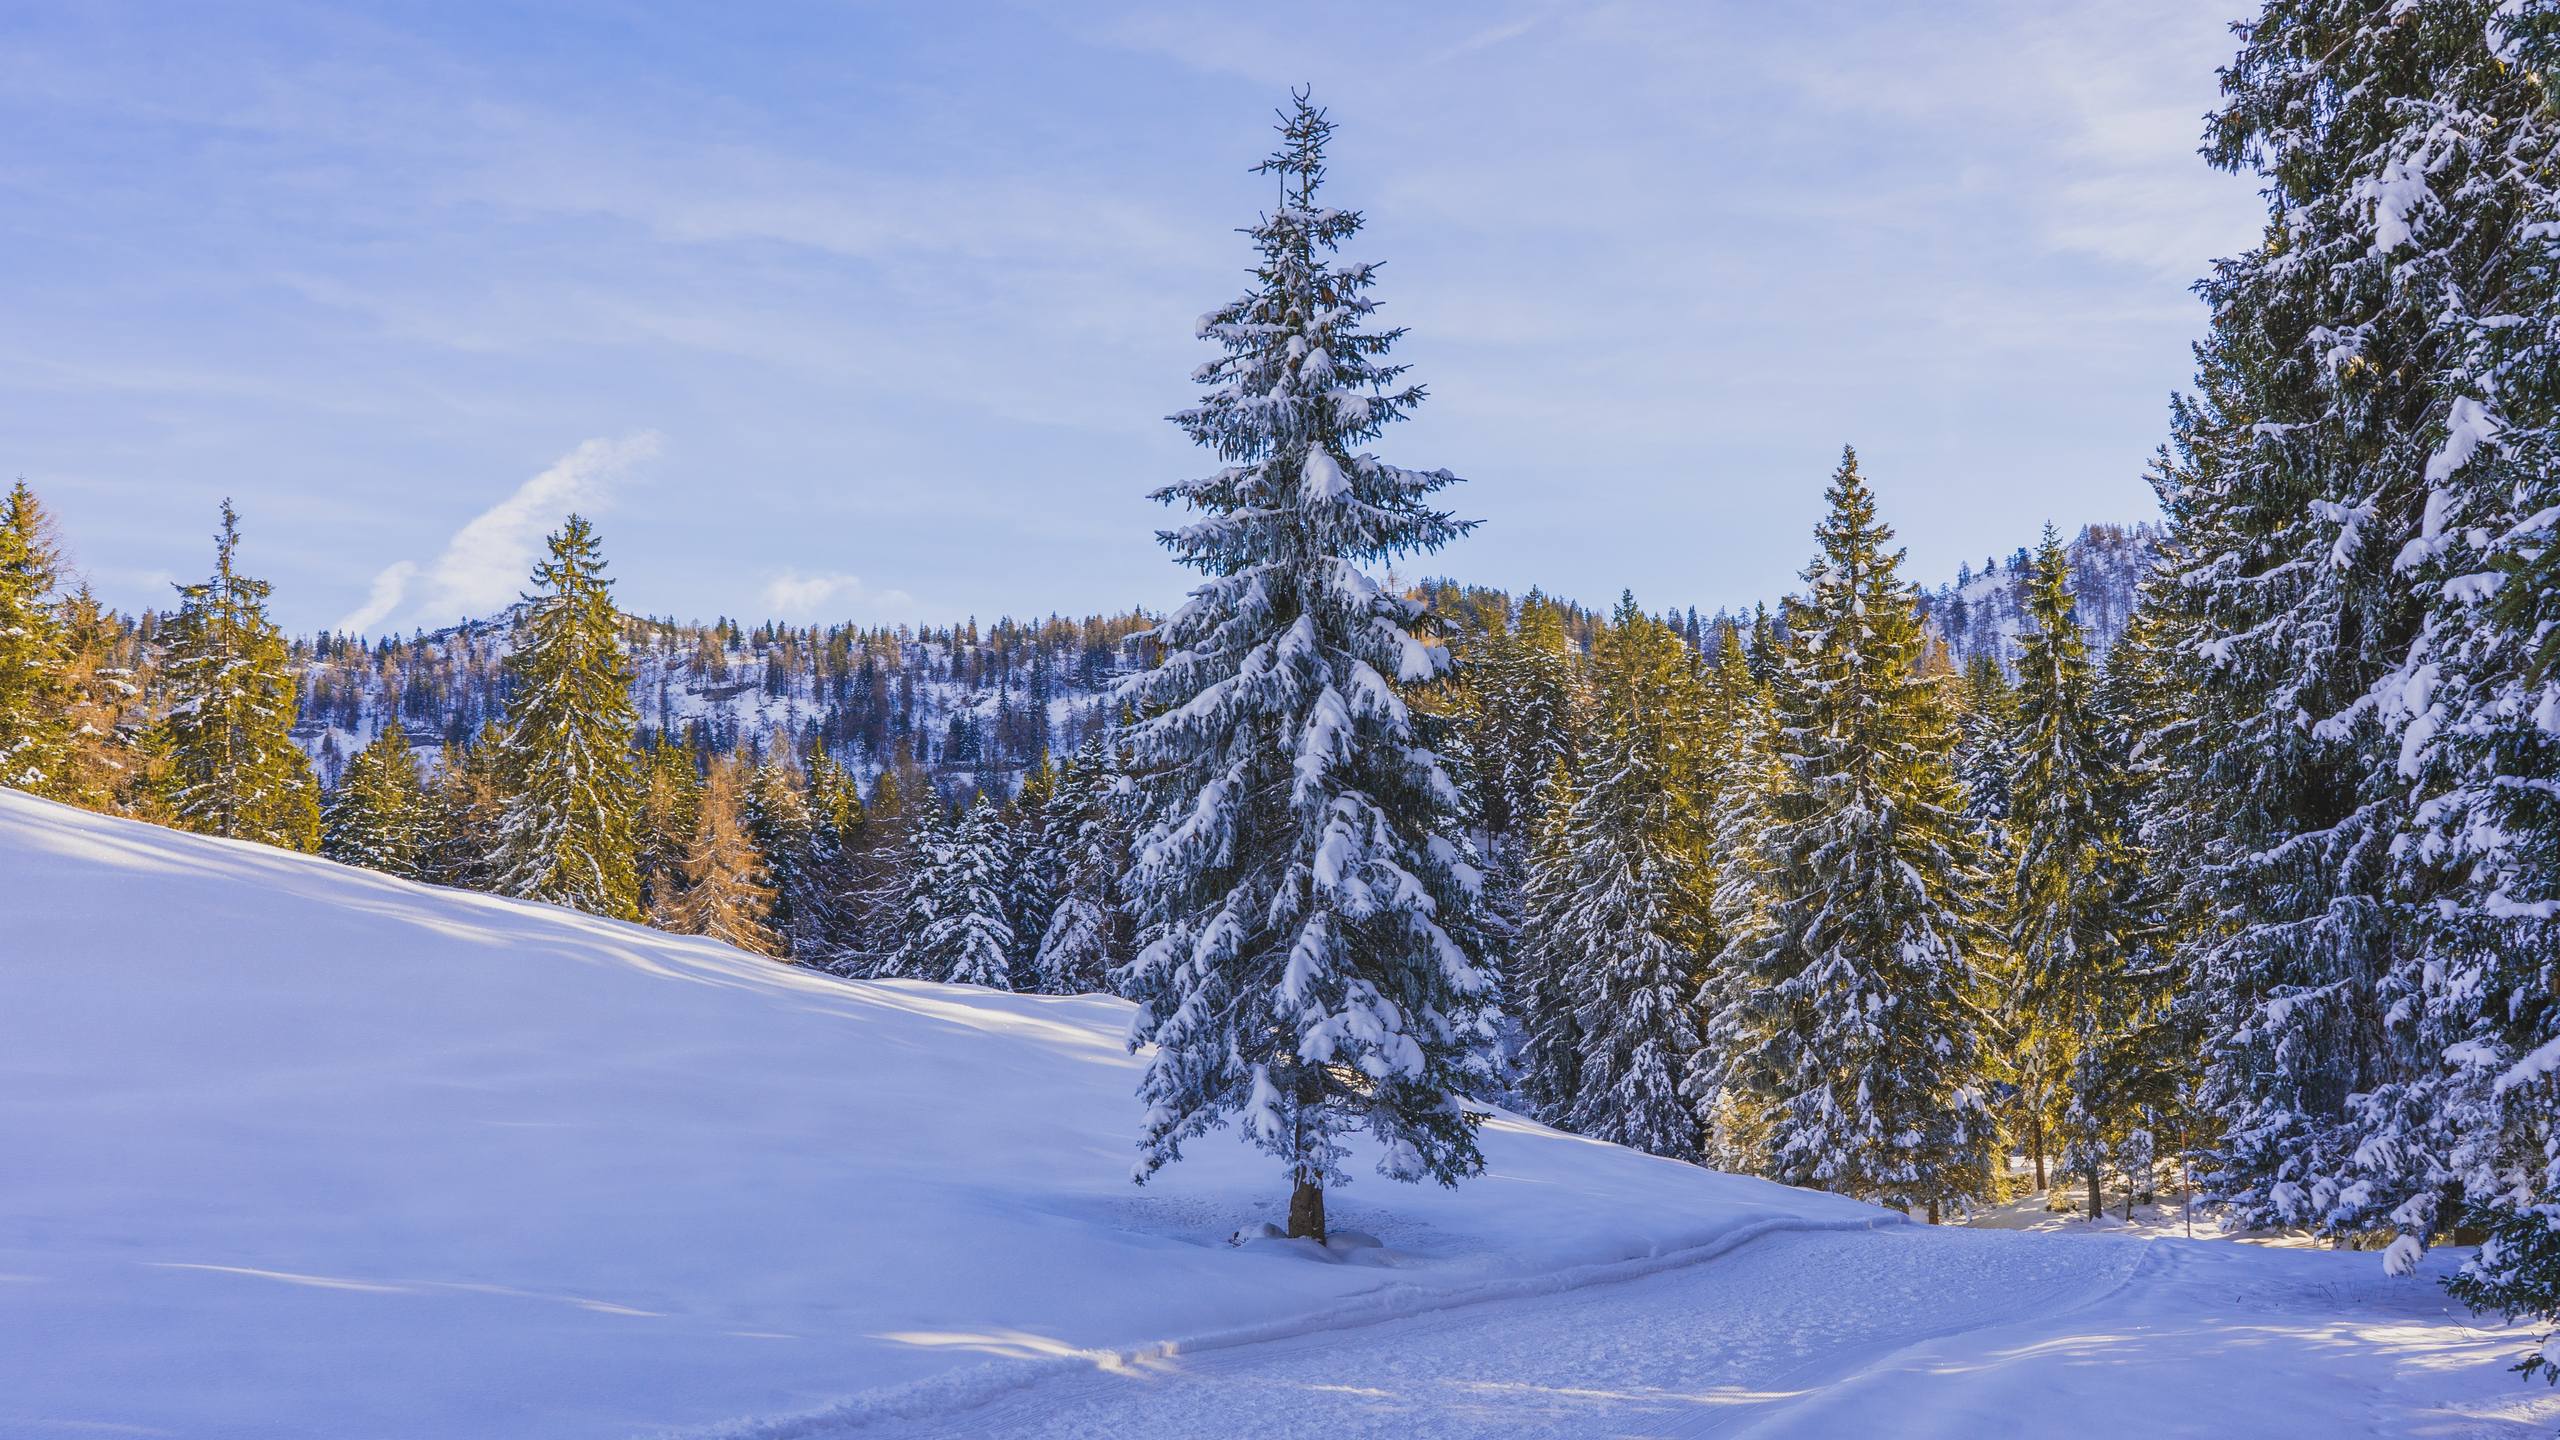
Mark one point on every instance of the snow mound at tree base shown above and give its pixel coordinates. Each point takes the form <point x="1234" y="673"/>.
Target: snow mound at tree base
<point x="295" y="1149"/>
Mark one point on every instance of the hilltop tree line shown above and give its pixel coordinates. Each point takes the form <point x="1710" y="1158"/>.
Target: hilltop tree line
<point x="2270" y="887"/>
<point x="976" y="705"/>
<point x="564" y="794"/>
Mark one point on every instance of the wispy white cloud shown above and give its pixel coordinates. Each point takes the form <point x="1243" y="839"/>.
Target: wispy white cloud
<point x="485" y="564"/>
<point x="1627" y="236"/>
<point x="389" y="586"/>
<point x="794" y="596"/>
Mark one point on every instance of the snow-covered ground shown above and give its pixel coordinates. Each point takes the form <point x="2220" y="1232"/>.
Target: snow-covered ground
<point x="1905" y="1332"/>
<point x="2168" y="1217"/>
<point x="288" y="1149"/>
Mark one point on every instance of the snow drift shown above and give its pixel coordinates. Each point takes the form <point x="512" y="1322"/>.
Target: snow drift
<point x="295" y="1149"/>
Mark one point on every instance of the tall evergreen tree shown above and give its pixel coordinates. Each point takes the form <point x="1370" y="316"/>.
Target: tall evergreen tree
<point x="1745" y="778"/>
<point x="35" y="702"/>
<point x="1307" y="953"/>
<point x="2142" y="708"/>
<point x="2337" y="492"/>
<point x="1034" y="859"/>
<point x="1086" y="938"/>
<point x="2451" y="133"/>
<point x="1520" y="704"/>
<point x="910" y="892"/>
<point x="1636" y="934"/>
<point x="1545" y="955"/>
<point x="2030" y="1058"/>
<point x="838" y="829"/>
<point x="233" y="768"/>
<point x="955" y="929"/>
<point x="379" y="817"/>
<point x="2066" y="916"/>
<point x="568" y="835"/>
<point x="1986" y="755"/>
<point x="1860" y="1017"/>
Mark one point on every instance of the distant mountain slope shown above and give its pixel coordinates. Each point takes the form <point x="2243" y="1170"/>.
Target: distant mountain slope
<point x="964" y="702"/>
<point x="1983" y="611"/>
<point x="297" y="1150"/>
<point x="976" y="706"/>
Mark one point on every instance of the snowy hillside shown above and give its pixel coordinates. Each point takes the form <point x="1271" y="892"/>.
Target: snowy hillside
<point x="1984" y="611"/>
<point x="298" y="1150"/>
<point x="976" y="706"/>
<point x="295" y="1149"/>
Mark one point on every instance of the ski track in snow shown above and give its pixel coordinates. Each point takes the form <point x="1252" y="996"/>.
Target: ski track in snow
<point x="1901" y="1331"/>
<point x="1698" y="1351"/>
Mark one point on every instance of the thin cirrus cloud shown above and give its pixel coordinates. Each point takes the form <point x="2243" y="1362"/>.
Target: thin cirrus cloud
<point x="484" y="565"/>
<point x="794" y="596"/>
<point x="1653" y="262"/>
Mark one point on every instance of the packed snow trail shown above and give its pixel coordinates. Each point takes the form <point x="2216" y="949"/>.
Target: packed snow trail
<point x="1682" y="1352"/>
<point x="1903" y="1332"/>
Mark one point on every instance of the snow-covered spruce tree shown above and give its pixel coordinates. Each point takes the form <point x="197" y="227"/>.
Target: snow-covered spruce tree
<point x="2336" y="499"/>
<point x="890" y="895"/>
<point x="1303" y="895"/>
<point x="1744" y="780"/>
<point x="837" y="830"/>
<point x="233" y="768"/>
<point x="2067" y="915"/>
<point x="1985" y="752"/>
<point x="35" y="701"/>
<point x="1035" y="865"/>
<point x="1636" y="933"/>
<point x="1087" y="935"/>
<point x="1521" y="704"/>
<point x="1539" y="989"/>
<point x="379" y="817"/>
<point x="960" y="934"/>
<point x="727" y="893"/>
<point x="2478" y="699"/>
<point x="909" y="890"/>
<point x="1858" y="1006"/>
<point x="2142" y="708"/>
<point x="568" y="835"/>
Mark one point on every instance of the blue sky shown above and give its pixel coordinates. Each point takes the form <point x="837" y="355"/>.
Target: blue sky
<point x="872" y="312"/>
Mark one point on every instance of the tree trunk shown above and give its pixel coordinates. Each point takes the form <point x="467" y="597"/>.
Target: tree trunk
<point x="2097" y="1207"/>
<point x="1306" y="1211"/>
<point x="1306" y="1202"/>
<point x="1933" y="1209"/>
<point x="2035" y="1148"/>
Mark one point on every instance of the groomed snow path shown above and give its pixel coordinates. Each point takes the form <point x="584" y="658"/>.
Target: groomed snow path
<point x="1901" y="1332"/>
